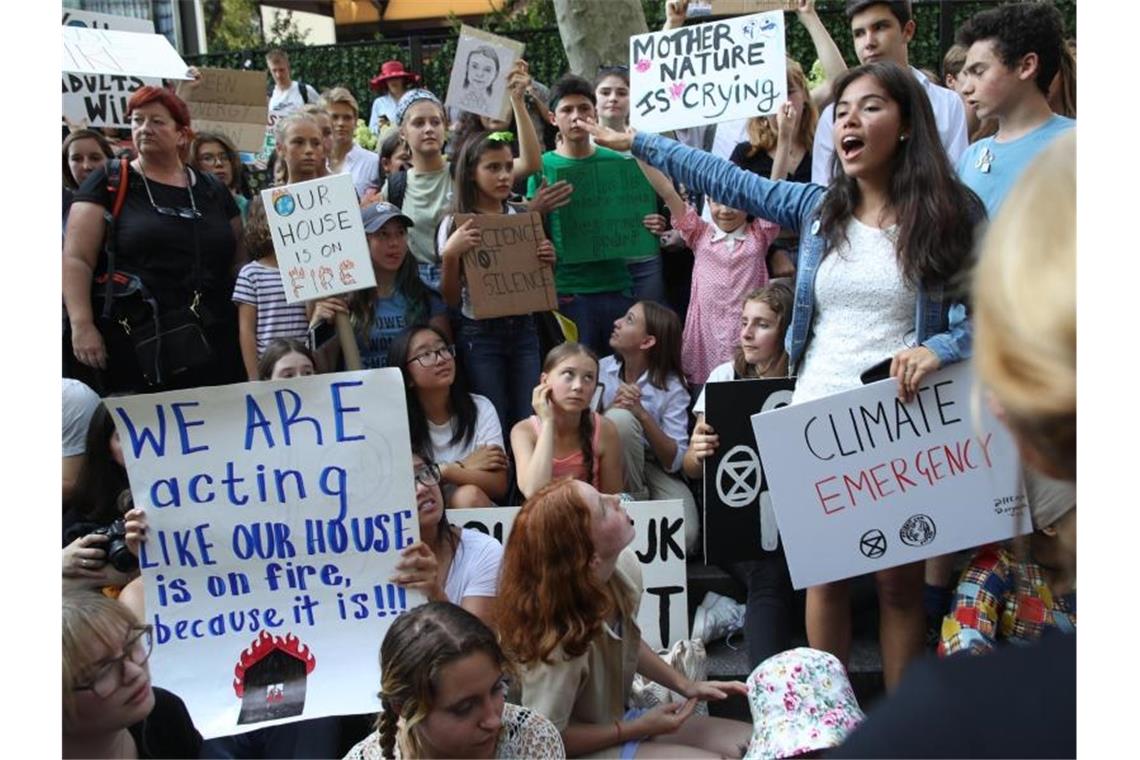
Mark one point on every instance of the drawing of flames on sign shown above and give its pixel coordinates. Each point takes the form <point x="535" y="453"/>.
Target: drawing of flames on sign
<point x="270" y="678"/>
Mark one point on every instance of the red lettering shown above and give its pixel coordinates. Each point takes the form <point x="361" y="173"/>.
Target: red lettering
<point x="824" y="499"/>
<point x="985" y="444"/>
<point x="862" y="483"/>
<point x="933" y="464"/>
<point x="880" y="482"/>
<point x="898" y="469"/>
<point x="955" y="462"/>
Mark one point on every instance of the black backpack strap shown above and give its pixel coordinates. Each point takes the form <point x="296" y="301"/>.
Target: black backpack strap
<point x="397" y="184"/>
<point x="304" y="92"/>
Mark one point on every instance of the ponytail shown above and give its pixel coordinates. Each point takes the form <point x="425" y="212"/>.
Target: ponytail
<point x="386" y="727"/>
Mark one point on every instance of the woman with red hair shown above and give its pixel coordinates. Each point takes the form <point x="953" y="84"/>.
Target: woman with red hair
<point x="175" y="246"/>
<point x="566" y="612"/>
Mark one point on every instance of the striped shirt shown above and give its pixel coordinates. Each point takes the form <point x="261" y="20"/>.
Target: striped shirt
<point x="260" y="286"/>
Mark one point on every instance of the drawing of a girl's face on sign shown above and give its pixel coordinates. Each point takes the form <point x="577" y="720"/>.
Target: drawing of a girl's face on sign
<point x="482" y="68"/>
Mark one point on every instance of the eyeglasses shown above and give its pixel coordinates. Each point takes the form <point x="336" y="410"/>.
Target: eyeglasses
<point x="428" y="475"/>
<point x="181" y="211"/>
<point x="213" y="158"/>
<point x="110" y="673"/>
<point x="432" y="358"/>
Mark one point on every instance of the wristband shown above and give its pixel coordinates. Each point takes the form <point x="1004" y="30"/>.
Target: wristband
<point x="617" y="725"/>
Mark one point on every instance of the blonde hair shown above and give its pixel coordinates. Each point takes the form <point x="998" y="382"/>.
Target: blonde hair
<point x="280" y="132"/>
<point x="1025" y="345"/>
<point x="89" y="619"/>
<point x="339" y="95"/>
<point x="762" y="129"/>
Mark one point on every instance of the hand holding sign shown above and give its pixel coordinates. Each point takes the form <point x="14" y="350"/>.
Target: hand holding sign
<point x="465" y="238"/>
<point x="910" y="366"/>
<point x="550" y="197"/>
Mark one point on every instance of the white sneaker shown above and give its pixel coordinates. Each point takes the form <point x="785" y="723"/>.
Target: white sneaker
<point x="716" y="617"/>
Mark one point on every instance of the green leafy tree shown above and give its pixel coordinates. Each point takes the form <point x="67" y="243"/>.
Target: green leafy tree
<point x="232" y="25"/>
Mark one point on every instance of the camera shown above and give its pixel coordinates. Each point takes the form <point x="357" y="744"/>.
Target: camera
<point x="117" y="552"/>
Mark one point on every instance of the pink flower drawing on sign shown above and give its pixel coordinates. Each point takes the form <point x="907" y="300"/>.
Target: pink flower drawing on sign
<point x="643" y="65"/>
<point x="677" y="89"/>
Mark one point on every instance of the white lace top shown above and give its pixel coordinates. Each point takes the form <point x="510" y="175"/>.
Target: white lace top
<point x="864" y="312"/>
<point x="525" y="734"/>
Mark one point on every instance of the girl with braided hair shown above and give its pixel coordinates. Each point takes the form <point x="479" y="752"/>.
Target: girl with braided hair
<point x="565" y="436"/>
<point x="443" y="694"/>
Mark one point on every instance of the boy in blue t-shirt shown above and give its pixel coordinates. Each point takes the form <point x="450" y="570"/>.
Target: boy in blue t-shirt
<point x="1013" y="53"/>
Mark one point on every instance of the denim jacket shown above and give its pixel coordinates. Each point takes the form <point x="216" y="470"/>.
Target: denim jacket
<point x="940" y="325"/>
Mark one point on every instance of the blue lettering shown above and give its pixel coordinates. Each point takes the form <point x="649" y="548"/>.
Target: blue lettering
<point x="292" y="417"/>
<point x="192" y="487"/>
<point x="146" y="435"/>
<point x="255" y="419"/>
<point x="184" y="426"/>
<point x="339" y="411"/>
<point x="175" y="499"/>
<point x="341" y="478"/>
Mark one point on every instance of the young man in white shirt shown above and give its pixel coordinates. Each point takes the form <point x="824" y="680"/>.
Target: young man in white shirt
<point x="882" y="29"/>
<point x="346" y="155"/>
<point x="287" y="96"/>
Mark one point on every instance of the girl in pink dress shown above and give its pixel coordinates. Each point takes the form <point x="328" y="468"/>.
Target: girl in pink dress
<point x="729" y="262"/>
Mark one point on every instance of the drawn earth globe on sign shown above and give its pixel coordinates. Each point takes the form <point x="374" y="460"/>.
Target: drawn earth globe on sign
<point x="283" y="203"/>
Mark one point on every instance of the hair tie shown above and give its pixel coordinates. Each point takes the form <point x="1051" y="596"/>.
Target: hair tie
<point x="501" y="136"/>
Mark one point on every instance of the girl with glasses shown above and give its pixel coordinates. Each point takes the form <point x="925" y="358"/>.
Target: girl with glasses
<point x="460" y="430"/>
<point x="213" y="153"/>
<point x="443" y="694"/>
<point x="178" y="232"/>
<point x="448" y="563"/>
<point x="110" y="710"/>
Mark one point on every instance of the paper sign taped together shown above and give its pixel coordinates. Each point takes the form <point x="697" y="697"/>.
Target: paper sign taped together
<point x="100" y="100"/>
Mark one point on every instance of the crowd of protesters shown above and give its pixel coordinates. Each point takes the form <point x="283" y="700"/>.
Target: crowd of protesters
<point x="884" y="213"/>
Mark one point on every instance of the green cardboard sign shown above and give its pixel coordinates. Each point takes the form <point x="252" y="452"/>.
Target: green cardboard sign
<point x="604" y="219"/>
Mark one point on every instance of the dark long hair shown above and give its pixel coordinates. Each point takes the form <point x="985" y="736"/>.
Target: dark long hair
<point x="408" y="283"/>
<point x="664" y="356"/>
<point x="101" y="479"/>
<point x="459" y="402"/>
<point x="82" y="134"/>
<point x="936" y="213"/>
<point x="466" y="191"/>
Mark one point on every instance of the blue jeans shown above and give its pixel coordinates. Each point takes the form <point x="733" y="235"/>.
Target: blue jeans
<point x="595" y="314"/>
<point x="501" y="361"/>
<point x="648" y="280"/>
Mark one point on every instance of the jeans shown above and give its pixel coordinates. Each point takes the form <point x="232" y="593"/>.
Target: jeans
<point x="501" y="361"/>
<point x="768" y="610"/>
<point x="595" y="314"/>
<point x="648" y="280"/>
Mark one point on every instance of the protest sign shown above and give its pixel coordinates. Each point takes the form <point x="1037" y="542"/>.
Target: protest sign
<point x="107" y="51"/>
<point x="231" y="102"/>
<point x="699" y="8"/>
<point x="276" y="512"/>
<point x="479" y="74"/>
<point x="862" y="481"/>
<point x="100" y="100"/>
<point x="739" y="521"/>
<point x="663" y="615"/>
<point x="504" y="275"/>
<point x="604" y="219"/>
<point x="318" y="236"/>
<point x="707" y="73"/>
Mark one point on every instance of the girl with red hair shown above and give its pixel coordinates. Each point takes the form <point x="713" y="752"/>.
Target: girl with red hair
<point x="566" y="612"/>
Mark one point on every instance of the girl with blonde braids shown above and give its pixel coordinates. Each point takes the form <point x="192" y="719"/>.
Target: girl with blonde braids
<point x="443" y="694"/>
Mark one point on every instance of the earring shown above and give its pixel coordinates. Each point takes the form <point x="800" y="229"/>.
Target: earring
<point x="902" y="138"/>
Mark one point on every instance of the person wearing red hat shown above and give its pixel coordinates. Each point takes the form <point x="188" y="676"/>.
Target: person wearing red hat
<point x="392" y="82"/>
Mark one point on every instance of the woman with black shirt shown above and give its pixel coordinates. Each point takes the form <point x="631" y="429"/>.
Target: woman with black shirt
<point x="177" y="234"/>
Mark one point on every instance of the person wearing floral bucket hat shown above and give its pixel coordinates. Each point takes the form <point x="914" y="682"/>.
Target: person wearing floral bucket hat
<point x="802" y="703"/>
<point x="392" y="82"/>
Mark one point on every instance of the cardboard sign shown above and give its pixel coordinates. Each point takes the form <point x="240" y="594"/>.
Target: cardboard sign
<point x="663" y="615"/>
<point x="106" y="51"/>
<point x="861" y="481"/>
<point x="276" y="512"/>
<point x="479" y="75"/>
<point x="699" y="8"/>
<point x="100" y="100"/>
<point x="604" y="217"/>
<point x="318" y="236"/>
<point x="707" y="73"/>
<point x="231" y="102"/>
<point x="504" y="275"/>
<point x="739" y="520"/>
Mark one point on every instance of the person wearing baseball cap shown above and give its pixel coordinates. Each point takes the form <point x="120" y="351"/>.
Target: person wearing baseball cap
<point x="399" y="299"/>
<point x="392" y="82"/>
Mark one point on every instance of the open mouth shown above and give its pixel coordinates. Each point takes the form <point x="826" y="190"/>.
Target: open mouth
<point x="425" y="504"/>
<point x="851" y="146"/>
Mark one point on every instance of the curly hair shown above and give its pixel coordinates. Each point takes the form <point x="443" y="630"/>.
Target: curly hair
<point x="936" y="213"/>
<point x="416" y="648"/>
<point x="1017" y="29"/>
<point x="548" y="596"/>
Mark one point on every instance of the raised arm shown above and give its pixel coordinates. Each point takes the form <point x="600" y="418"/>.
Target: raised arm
<point x="664" y="189"/>
<point x="530" y="151"/>
<point x="788" y="204"/>
<point x="825" y="49"/>
<point x="675" y="11"/>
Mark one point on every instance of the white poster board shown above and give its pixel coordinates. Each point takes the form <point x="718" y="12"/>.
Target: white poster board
<point x="479" y="74"/>
<point x="100" y="100"/>
<point x="861" y="481"/>
<point x="276" y="513"/>
<point x="707" y="73"/>
<point x="107" y="51"/>
<point x="663" y="615"/>
<point x="318" y="236"/>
